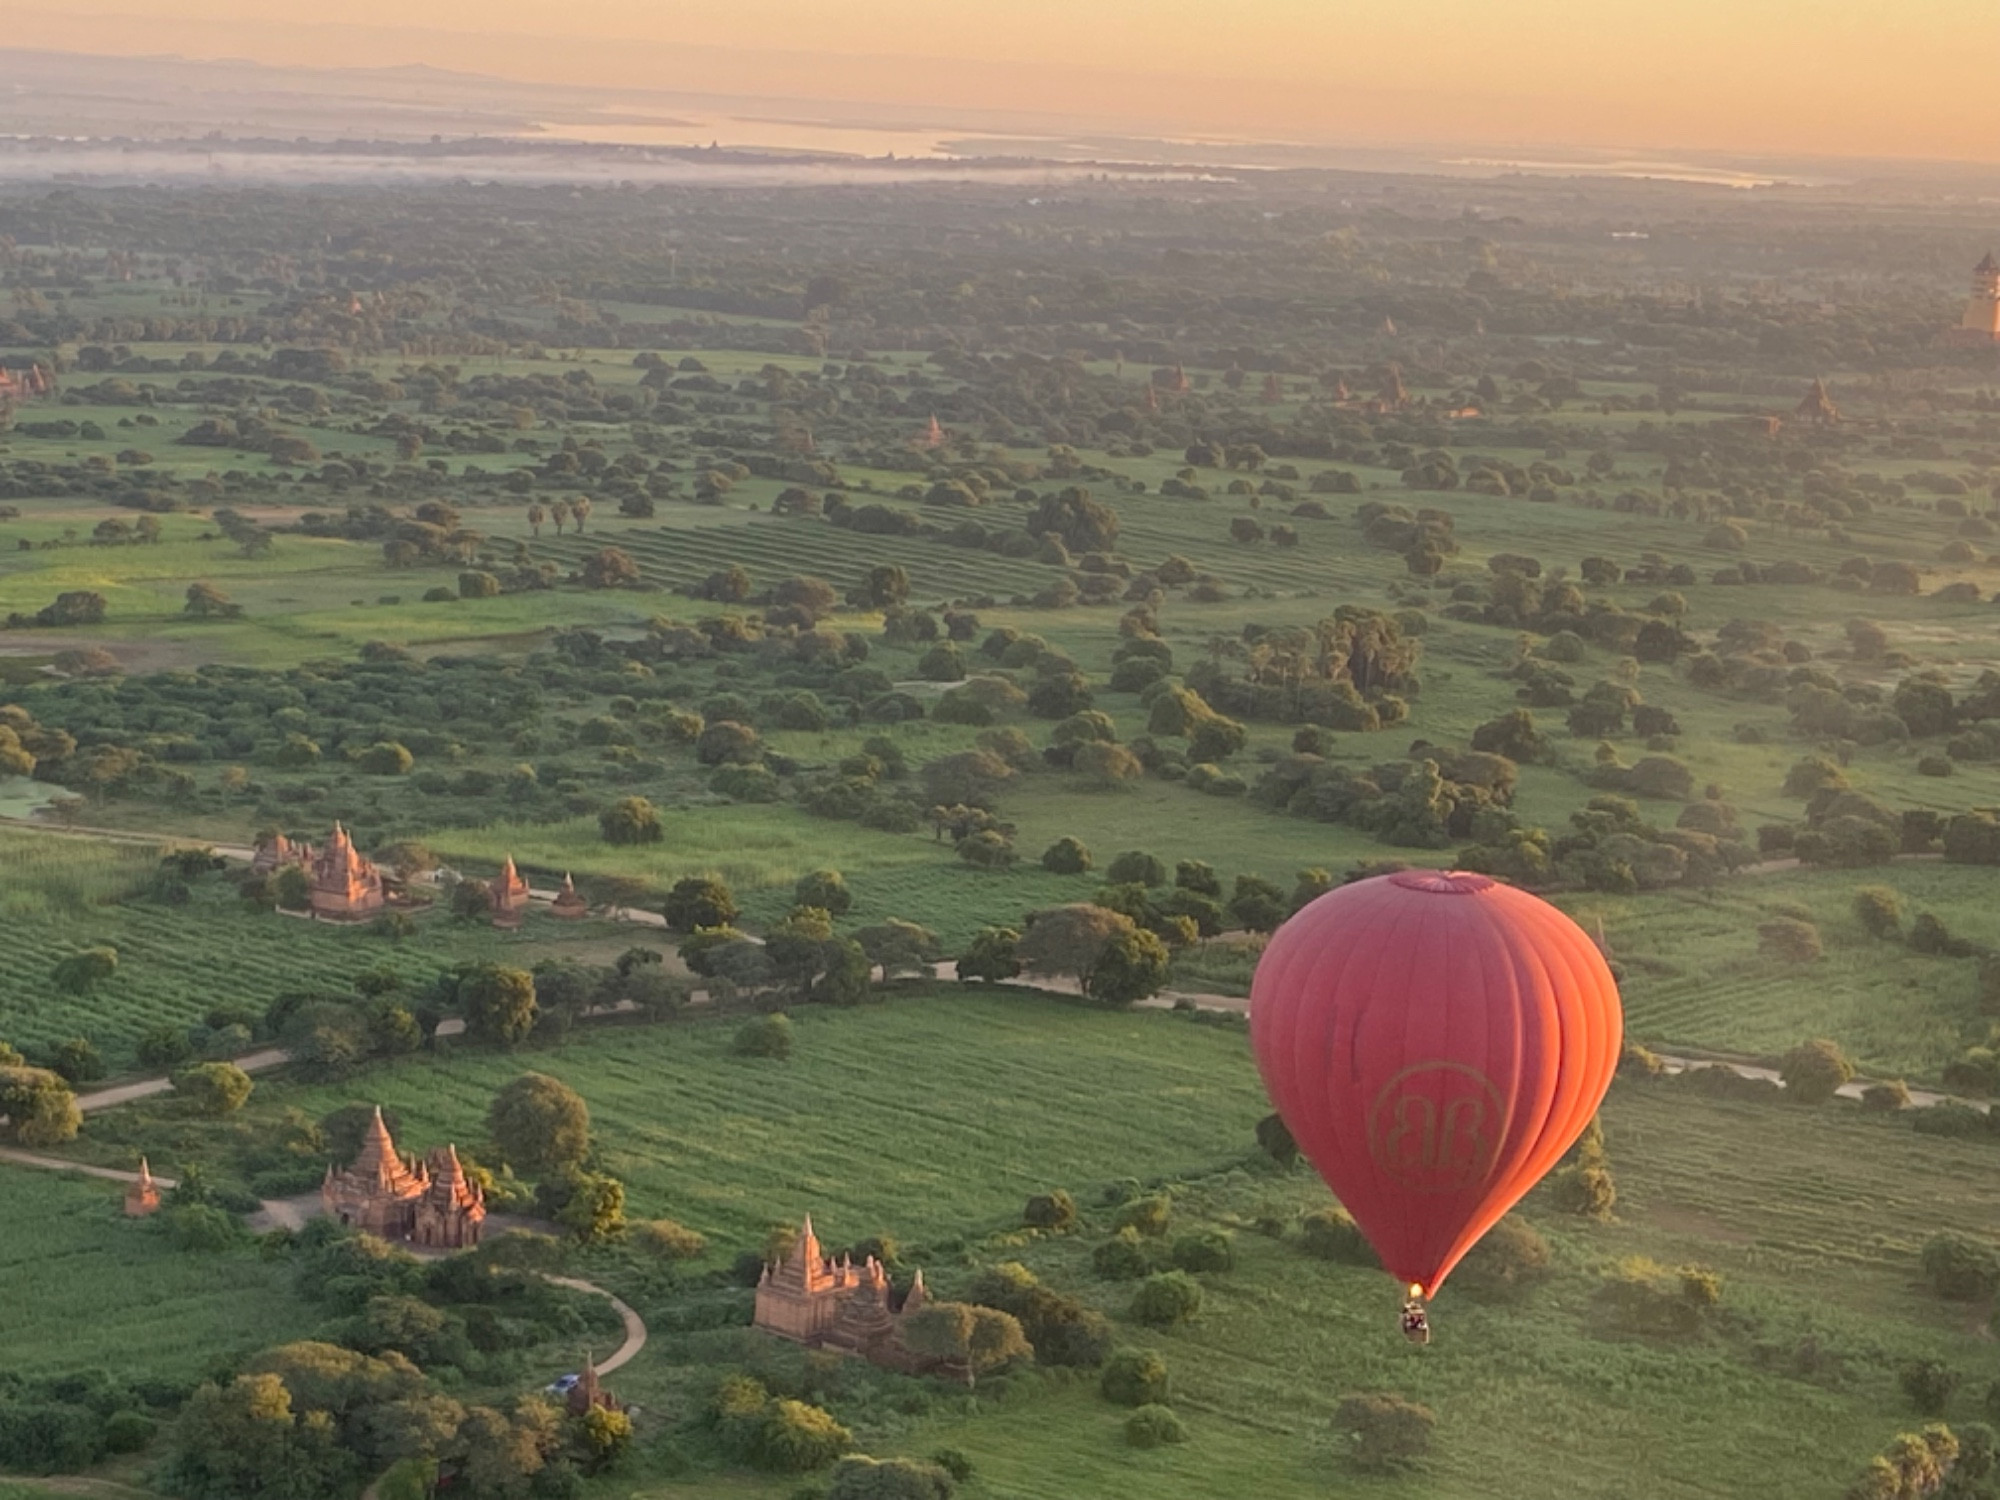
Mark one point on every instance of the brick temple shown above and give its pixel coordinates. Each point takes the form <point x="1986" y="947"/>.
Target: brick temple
<point x="346" y="886"/>
<point x="811" y="1299"/>
<point x="429" y="1202"/>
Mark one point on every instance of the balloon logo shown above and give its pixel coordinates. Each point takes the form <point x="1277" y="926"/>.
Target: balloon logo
<point x="1434" y="1126"/>
<point x="1434" y="1041"/>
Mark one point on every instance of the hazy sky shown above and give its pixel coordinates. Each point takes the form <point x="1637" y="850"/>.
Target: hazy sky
<point x="1847" y="77"/>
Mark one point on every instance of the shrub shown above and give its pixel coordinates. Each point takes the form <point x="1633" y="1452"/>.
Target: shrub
<point x="1584" y="1188"/>
<point x="1153" y="1426"/>
<point x="1509" y="1259"/>
<point x="764" y="1036"/>
<point x="1148" y="1216"/>
<point x="631" y="820"/>
<point x="1790" y="939"/>
<point x="128" y="1431"/>
<point x="1166" y="1298"/>
<point x="1066" y="856"/>
<point x="1928" y="934"/>
<point x="1959" y="1268"/>
<point x="1879" y="910"/>
<point x="1640" y="1297"/>
<point x="859" y="1478"/>
<point x="1886" y="1097"/>
<point x="1814" y="1071"/>
<point x="1205" y="1250"/>
<point x="1136" y="867"/>
<point x="1384" y="1431"/>
<point x="213" y="1089"/>
<point x="1332" y="1234"/>
<point x="955" y="1462"/>
<point x="1929" y="1384"/>
<point x="1123" y="1257"/>
<point x="76" y="1060"/>
<point x="1135" y="1377"/>
<point x="795" y="1438"/>
<point x="1952" y="1120"/>
<point x="669" y="1240"/>
<point x="1274" y="1139"/>
<point x="201" y="1227"/>
<point x="1054" y="1209"/>
<point x="825" y="889"/>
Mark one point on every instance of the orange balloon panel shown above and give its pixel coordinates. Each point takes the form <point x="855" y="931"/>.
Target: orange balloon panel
<point x="1434" y="1042"/>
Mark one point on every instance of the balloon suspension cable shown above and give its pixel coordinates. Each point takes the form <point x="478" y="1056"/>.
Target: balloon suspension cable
<point x="1416" y="1320"/>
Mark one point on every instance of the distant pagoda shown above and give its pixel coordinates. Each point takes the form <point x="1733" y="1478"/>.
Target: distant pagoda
<point x="508" y="895"/>
<point x="1979" y="323"/>
<point x="1817" y="409"/>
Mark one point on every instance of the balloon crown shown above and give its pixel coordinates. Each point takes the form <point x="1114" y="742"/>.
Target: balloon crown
<point x="1442" y="882"/>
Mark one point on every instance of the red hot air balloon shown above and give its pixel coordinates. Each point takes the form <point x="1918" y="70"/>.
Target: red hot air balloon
<point x="1434" y="1042"/>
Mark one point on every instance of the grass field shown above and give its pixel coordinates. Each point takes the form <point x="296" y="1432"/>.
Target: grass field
<point x="175" y="963"/>
<point x="88" y="1288"/>
<point x="1813" y="1218"/>
<point x="1694" y="975"/>
<point x="934" y="1112"/>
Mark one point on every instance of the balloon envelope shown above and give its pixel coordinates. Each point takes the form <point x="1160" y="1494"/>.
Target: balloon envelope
<point x="1434" y="1042"/>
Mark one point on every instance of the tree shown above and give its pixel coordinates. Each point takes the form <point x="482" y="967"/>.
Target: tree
<point x="900" y="948"/>
<point x="825" y="889"/>
<point x="1814" y="1071"/>
<point x="207" y="602"/>
<point x="959" y="1334"/>
<point x="1386" y="1432"/>
<point x="1166" y="1298"/>
<point x="699" y="901"/>
<point x="631" y="820"/>
<point x="244" y="1440"/>
<point x="498" y="1003"/>
<point x="992" y="956"/>
<point x="1084" y="524"/>
<point x="37" y="1106"/>
<point x="609" y="568"/>
<point x="213" y="1089"/>
<point x="291" y="888"/>
<point x="539" y="1124"/>
<point x="592" y="1208"/>
<point x="1130" y="966"/>
<point x="1069" y="939"/>
<point x="1257" y="904"/>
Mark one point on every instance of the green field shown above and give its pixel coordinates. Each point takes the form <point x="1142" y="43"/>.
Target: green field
<point x="88" y="1288"/>
<point x="176" y="963"/>
<point x="925" y="1116"/>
